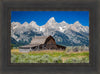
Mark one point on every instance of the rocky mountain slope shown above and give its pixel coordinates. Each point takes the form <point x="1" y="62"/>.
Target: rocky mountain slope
<point x="64" y="33"/>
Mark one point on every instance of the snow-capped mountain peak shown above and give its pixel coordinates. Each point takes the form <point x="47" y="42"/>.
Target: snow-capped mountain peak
<point x="77" y="23"/>
<point x="25" y="23"/>
<point x="51" y="20"/>
<point x="68" y="34"/>
<point x="63" y="22"/>
<point x="33" y="24"/>
<point x="15" y="23"/>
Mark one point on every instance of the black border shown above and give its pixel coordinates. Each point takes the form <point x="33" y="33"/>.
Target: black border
<point x="48" y="68"/>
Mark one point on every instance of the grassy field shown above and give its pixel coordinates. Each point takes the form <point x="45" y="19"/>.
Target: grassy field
<point x="49" y="56"/>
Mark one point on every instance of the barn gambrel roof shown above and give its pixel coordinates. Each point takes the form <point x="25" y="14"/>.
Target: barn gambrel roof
<point x="39" y="39"/>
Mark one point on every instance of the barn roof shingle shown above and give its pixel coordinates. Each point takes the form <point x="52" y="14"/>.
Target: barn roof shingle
<point x="30" y="45"/>
<point x="39" y="39"/>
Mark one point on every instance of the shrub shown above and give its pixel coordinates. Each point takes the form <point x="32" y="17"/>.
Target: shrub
<point x="13" y="58"/>
<point x="68" y="49"/>
<point x="43" y="60"/>
<point x="75" y="49"/>
<point x="57" y="60"/>
<point x="77" y="60"/>
<point x="85" y="60"/>
<point x="50" y="57"/>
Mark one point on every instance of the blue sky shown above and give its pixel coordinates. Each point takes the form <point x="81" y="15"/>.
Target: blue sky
<point x="41" y="17"/>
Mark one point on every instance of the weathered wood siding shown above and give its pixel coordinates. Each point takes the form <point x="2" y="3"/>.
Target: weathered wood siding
<point x="50" y="43"/>
<point x="61" y="47"/>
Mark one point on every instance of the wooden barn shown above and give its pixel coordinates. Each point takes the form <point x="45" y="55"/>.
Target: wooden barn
<point x="41" y="43"/>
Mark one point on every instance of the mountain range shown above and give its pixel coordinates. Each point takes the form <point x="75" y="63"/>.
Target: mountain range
<point x="64" y="34"/>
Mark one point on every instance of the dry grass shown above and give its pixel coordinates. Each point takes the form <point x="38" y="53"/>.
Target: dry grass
<point x="77" y="52"/>
<point x="48" y="51"/>
<point x="14" y="50"/>
<point x="40" y="51"/>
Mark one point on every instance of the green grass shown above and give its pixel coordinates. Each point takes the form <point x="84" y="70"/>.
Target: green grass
<point x="49" y="56"/>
